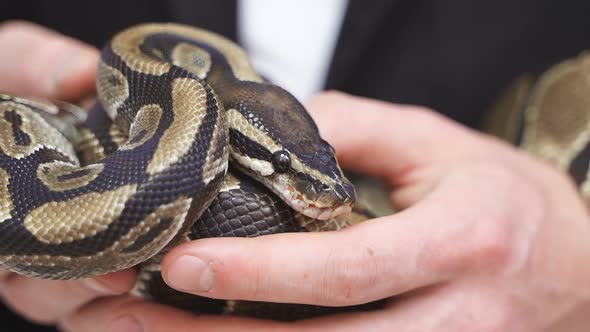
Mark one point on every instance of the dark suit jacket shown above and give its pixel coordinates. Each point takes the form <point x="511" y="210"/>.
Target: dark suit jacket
<point x="453" y="56"/>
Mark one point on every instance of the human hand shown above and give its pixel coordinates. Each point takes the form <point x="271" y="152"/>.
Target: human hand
<point x="41" y="63"/>
<point x="490" y="239"/>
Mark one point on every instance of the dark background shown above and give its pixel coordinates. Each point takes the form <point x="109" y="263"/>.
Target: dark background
<point x="454" y="56"/>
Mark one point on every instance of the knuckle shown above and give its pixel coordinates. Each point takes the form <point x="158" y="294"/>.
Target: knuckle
<point x="25" y="310"/>
<point x="43" y="301"/>
<point x="347" y="276"/>
<point x="491" y="247"/>
<point x="260" y="286"/>
<point x="14" y="25"/>
<point x="497" y="318"/>
<point x="427" y="120"/>
<point x="428" y="117"/>
<point x="4" y="274"/>
<point x="331" y="95"/>
<point x="489" y="324"/>
<point x="324" y="99"/>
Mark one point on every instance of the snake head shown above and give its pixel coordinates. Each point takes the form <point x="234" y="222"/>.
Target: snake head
<point x="274" y="140"/>
<point x="314" y="183"/>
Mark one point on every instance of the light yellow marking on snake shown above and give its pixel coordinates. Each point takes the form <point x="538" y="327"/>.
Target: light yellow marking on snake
<point x="189" y="104"/>
<point x="126" y="45"/>
<point x="230" y="182"/>
<point x="40" y="133"/>
<point x="89" y="147"/>
<point x="556" y="129"/>
<point x="117" y="135"/>
<point x="330" y="225"/>
<point x="192" y="58"/>
<point x="6" y="204"/>
<point x="146" y="123"/>
<point x="113" y="88"/>
<point x="220" y="137"/>
<point x="177" y="210"/>
<point x="50" y="173"/>
<point x="298" y="166"/>
<point x="80" y="217"/>
<point x="158" y="54"/>
<point x="238" y="121"/>
<point x="235" y="56"/>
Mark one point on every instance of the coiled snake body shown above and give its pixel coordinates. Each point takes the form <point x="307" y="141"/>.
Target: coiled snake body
<point x="175" y="103"/>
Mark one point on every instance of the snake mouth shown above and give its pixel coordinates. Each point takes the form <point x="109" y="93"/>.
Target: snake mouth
<point x="298" y="203"/>
<point x="329" y="203"/>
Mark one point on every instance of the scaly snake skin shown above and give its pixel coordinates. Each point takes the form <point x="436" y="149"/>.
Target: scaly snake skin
<point x="175" y="104"/>
<point x="548" y="116"/>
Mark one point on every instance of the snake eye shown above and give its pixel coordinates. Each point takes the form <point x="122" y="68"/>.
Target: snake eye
<point x="281" y="161"/>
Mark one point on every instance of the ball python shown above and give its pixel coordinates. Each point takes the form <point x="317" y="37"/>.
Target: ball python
<point x="548" y="116"/>
<point x="86" y="194"/>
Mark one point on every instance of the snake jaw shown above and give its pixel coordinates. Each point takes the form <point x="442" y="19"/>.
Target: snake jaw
<point x="322" y="209"/>
<point x="322" y="204"/>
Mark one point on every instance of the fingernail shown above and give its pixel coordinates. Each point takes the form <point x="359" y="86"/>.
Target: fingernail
<point x="97" y="286"/>
<point x="190" y="273"/>
<point x="125" y="324"/>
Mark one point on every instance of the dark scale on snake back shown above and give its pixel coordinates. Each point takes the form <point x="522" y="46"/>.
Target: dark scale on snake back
<point x="249" y="211"/>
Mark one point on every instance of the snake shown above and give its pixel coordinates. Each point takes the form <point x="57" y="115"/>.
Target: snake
<point x="82" y="194"/>
<point x="547" y="115"/>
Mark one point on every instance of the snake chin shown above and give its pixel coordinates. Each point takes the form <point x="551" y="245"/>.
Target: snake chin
<point x="283" y="186"/>
<point x="308" y="209"/>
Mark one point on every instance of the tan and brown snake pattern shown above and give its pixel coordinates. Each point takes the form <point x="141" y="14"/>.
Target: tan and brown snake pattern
<point x="175" y="104"/>
<point x="548" y="116"/>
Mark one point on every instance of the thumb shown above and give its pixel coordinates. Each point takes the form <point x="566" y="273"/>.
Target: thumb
<point x="43" y="63"/>
<point x="385" y="139"/>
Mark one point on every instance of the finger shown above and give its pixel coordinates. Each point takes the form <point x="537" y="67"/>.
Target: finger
<point x="385" y="139"/>
<point x="465" y="306"/>
<point x="44" y="301"/>
<point x="125" y="314"/>
<point x="3" y="274"/>
<point x="40" y="62"/>
<point x="366" y="262"/>
<point x="128" y="315"/>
